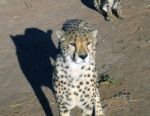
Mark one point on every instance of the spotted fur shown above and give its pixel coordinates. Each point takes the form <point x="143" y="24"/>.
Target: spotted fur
<point x="75" y="72"/>
<point x="107" y="6"/>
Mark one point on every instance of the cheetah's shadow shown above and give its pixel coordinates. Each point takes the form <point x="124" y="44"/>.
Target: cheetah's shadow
<point x="34" y="50"/>
<point x="89" y="4"/>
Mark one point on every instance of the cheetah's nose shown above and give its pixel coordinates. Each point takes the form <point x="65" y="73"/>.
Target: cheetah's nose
<point x="83" y="56"/>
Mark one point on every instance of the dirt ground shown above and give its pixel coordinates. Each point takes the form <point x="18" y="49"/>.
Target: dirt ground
<point x="28" y="47"/>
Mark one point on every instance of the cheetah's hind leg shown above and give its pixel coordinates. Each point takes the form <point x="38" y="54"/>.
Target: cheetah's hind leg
<point x="119" y="10"/>
<point x="97" y="5"/>
<point x="108" y="12"/>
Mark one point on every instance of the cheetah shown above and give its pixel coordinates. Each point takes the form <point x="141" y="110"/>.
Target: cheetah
<point x="75" y="74"/>
<point x="107" y="6"/>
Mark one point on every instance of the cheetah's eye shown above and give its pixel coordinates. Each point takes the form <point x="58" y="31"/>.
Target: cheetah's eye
<point x="73" y="44"/>
<point x="89" y="43"/>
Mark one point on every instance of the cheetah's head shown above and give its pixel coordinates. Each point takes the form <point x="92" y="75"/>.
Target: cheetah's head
<point x="77" y="46"/>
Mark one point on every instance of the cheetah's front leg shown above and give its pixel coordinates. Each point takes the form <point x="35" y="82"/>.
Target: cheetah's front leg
<point x="98" y="106"/>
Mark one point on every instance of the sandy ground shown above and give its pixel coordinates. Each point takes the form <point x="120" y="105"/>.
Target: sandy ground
<point x="27" y="50"/>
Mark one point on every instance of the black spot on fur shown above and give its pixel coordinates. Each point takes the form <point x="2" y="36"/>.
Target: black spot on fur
<point x="67" y="67"/>
<point x="93" y="89"/>
<point x="65" y="72"/>
<point x="61" y="96"/>
<point x="81" y="100"/>
<point x="57" y="65"/>
<point x="87" y="106"/>
<point x="88" y="89"/>
<point x="89" y="68"/>
<point x="86" y="95"/>
<point x="84" y="103"/>
<point x="94" y="75"/>
<point x="58" y="84"/>
<point x="82" y="67"/>
<point x="75" y="93"/>
<point x="91" y="80"/>
<point x="81" y="83"/>
<point x="72" y="86"/>
<point x="87" y="82"/>
<point x="69" y="93"/>
<point x="67" y="96"/>
<point x="65" y="111"/>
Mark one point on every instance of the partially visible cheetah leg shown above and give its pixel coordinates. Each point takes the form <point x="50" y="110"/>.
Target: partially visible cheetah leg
<point x="97" y="5"/>
<point x="119" y="11"/>
<point x="66" y="113"/>
<point x="98" y="106"/>
<point x="87" y="112"/>
<point x="109" y="12"/>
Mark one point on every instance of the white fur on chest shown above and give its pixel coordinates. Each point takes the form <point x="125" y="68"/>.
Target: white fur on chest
<point x="75" y="69"/>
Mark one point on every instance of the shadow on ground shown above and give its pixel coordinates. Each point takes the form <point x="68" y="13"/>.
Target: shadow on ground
<point x="90" y="4"/>
<point x="34" y="50"/>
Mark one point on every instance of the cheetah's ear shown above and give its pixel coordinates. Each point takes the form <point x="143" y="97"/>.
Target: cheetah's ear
<point x="94" y="33"/>
<point x="59" y="34"/>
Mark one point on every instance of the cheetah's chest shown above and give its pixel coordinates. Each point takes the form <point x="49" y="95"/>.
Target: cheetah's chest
<point x="77" y="70"/>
